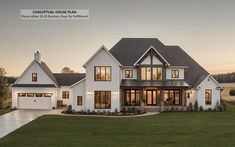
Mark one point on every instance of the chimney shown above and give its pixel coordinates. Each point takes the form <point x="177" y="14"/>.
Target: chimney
<point x="37" y="57"/>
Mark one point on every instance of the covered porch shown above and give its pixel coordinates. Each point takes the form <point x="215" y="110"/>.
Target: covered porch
<point x="153" y="94"/>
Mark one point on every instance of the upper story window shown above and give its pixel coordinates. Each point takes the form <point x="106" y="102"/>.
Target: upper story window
<point x="102" y="73"/>
<point x="151" y="73"/>
<point x="208" y="96"/>
<point x="65" y="94"/>
<point x="128" y="73"/>
<point x="34" y="77"/>
<point x="175" y="73"/>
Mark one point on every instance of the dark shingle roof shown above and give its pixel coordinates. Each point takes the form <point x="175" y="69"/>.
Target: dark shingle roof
<point x="128" y="50"/>
<point x="68" y="79"/>
<point x="169" y="83"/>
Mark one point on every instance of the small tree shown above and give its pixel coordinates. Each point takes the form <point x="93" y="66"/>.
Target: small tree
<point x="67" y="70"/>
<point x="196" y="106"/>
<point x="190" y="107"/>
<point x="3" y="86"/>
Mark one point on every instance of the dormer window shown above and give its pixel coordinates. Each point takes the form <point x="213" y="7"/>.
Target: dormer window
<point x="175" y="73"/>
<point x="128" y="73"/>
<point x="34" y="77"/>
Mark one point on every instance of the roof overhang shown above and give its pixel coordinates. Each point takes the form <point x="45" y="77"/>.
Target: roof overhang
<point x="34" y="85"/>
<point x="219" y="87"/>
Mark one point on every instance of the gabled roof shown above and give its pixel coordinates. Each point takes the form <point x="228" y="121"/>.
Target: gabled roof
<point x="101" y="48"/>
<point x="204" y="78"/>
<point x="128" y="50"/>
<point x="68" y="79"/>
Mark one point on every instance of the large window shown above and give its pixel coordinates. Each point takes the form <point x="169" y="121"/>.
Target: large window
<point x="128" y="73"/>
<point x="102" y="99"/>
<point x="34" y="94"/>
<point x="34" y="77"/>
<point x="102" y="73"/>
<point x="208" y="96"/>
<point x="65" y="94"/>
<point x="79" y="100"/>
<point x="174" y="73"/>
<point x="132" y="98"/>
<point x="171" y="97"/>
<point x="151" y="73"/>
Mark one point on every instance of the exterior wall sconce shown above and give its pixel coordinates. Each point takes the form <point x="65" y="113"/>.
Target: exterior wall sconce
<point x="115" y="93"/>
<point x="89" y="93"/>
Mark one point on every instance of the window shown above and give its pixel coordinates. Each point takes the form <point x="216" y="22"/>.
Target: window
<point x="172" y="97"/>
<point x="128" y="73"/>
<point x="148" y="73"/>
<point x="174" y="73"/>
<point x="79" y="100"/>
<point x="22" y="94"/>
<point x="132" y="98"/>
<point x="65" y="94"/>
<point x="30" y="94"/>
<point x="47" y="94"/>
<point x="102" y="73"/>
<point x="39" y="94"/>
<point x="208" y="96"/>
<point x="34" y="77"/>
<point x="102" y="99"/>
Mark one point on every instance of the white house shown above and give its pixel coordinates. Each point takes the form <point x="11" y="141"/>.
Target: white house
<point x="134" y="71"/>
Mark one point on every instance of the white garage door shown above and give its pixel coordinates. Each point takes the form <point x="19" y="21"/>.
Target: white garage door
<point x="34" y="101"/>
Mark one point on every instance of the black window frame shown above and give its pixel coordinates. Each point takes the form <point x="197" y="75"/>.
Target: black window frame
<point x="130" y="72"/>
<point x="151" y="73"/>
<point x="95" y="67"/>
<point x="79" y="100"/>
<point x="180" y="96"/>
<point x="65" y="94"/>
<point x="107" y="99"/>
<point x="175" y="73"/>
<point x="34" y="78"/>
<point x="125" y="94"/>
<point x="208" y="100"/>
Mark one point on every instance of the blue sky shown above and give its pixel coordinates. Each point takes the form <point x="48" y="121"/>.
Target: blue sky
<point x="205" y="29"/>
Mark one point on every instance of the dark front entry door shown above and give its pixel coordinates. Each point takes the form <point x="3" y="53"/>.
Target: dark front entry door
<point x="151" y="97"/>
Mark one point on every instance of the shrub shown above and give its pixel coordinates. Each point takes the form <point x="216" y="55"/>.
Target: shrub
<point x="196" y="106"/>
<point x="201" y="108"/>
<point x="69" y="109"/>
<point x="82" y="111"/>
<point x="190" y="107"/>
<point x="129" y="110"/>
<point x="116" y="110"/>
<point x="93" y="111"/>
<point x="223" y="105"/>
<point x="104" y="111"/>
<point x="88" y="111"/>
<point x="232" y="92"/>
<point x="209" y="109"/>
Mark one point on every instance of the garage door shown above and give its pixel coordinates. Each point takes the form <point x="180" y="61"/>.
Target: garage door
<point x="34" y="101"/>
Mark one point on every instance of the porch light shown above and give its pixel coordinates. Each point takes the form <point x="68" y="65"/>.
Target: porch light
<point x="115" y="93"/>
<point x="89" y="93"/>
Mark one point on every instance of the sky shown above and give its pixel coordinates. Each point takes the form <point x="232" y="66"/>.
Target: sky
<point x="205" y="29"/>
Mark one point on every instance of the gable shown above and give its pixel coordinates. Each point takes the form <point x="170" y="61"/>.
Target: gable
<point x="26" y="77"/>
<point x="155" y="61"/>
<point x="210" y="82"/>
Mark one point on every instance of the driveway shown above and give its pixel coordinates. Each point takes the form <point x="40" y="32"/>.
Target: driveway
<point x="9" y="122"/>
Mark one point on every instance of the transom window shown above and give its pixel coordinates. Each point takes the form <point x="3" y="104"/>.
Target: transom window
<point x="175" y="73"/>
<point x="132" y="98"/>
<point x="79" y="100"/>
<point x="102" y="73"/>
<point x="65" y="94"/>
<point x="34" y="77"/>
<point x="34" y="94"/>
<point x="151" y="73"/>
<point x="208" y="96"/>
<point x="128" y="73"/>
<point x="102" y="99"/>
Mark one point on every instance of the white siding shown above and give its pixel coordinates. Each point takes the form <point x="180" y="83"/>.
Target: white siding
<point x="168" y="73"/>
<point x="208" y="83"/>
<point x="156" y="61"/>
<point x="146" y="61"/>
<point x="79" y="90"/>
<point x="66" y="101"/>
<point x="103" y="58"/>
<point x="42" y="77"/>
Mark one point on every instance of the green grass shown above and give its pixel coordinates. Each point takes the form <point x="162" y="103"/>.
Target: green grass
<point x="4" y="111"/>
<point x="167" y="129"/>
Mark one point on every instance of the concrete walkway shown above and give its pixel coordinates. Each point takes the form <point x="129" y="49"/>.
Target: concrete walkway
<point x="11" y="121"/>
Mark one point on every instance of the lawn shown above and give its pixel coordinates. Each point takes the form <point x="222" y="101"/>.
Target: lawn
<point x="167" y="129"/>
<point x="4" y="111"/>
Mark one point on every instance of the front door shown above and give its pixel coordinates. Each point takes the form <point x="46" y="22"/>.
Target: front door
<point x="151" y="97"/>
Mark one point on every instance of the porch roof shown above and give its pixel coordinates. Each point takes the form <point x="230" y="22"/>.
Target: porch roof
<point x="169" y="83"/>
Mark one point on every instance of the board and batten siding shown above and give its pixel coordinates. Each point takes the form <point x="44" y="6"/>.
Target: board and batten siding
<point x="103" y="58"/>
<point x="79" y="90"/>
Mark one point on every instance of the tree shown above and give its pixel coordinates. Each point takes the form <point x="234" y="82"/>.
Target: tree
<point x="67" y="70"/>
<point x="3" y="85"/>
